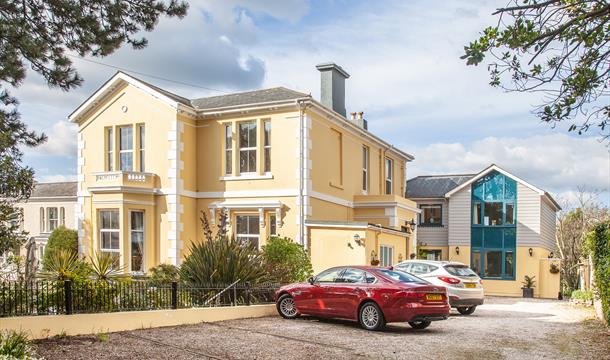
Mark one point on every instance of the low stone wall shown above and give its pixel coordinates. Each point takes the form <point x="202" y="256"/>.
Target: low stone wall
<point x="40" y="327"/>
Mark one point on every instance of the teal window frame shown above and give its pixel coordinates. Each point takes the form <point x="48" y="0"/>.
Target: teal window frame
<point x="486" y="233"/>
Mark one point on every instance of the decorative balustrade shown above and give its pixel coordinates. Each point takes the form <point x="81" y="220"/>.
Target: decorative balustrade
<point x="105" y="180"/>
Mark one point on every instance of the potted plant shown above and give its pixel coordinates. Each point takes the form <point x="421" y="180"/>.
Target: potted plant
<point x="528" y="286"/>
<point x="554" y="269"/>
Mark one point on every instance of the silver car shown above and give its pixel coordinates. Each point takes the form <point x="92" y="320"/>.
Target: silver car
<point x="463" y="285"/>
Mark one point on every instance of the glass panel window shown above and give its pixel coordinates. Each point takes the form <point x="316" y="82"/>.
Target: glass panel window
<point x="493" y="214"/>
<point x="248" y="230"/>
<point x="42" y="220"/>
<point x="52" y="219"/>
<point x="365" y="168"/>
<point x="137" y="241"/>
<point x="329" y="276"/>
<point x="434" y="255"/>
<point x="62" y="216"/>
<point x="272" y="225"/>
<point x="386" y="255"/>
<point x="476" y="213"/>
<point x="476" y="262"/>
<point x="431" y="215"/>
<point x="228" y="149"/>
<point x="247" y="147"/>
<point x="389" y="173"/>
<point x="267" y="145"/>
<point x="509" y="264"/>
<point x="126" y="148"/>
<point x="353" y="276"/>
<point x="510" y="214"/>
<point x="109" y="149"/>
<point x="493" y="263"/>
<point x="142" y="143"/>
<point x="109" y="232"/>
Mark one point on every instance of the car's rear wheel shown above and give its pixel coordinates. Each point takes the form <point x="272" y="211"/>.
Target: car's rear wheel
<point x="466" y="310"/>
<point x="287" y="307"/>
<point x="420" y="325"/>
<point x="371" y="317"/>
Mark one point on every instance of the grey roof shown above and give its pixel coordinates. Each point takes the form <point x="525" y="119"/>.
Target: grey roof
<point x="249" y="97"/>
<point x="56" y="189"/>
<point x="434" y="186"/>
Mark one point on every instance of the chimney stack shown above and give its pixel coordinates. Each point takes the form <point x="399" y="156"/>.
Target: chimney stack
<point x="332" y="79"/>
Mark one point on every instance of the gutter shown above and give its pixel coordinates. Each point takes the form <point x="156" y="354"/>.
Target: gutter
<point x="302" y="233"/>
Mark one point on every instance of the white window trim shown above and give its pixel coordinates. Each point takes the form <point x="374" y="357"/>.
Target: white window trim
<point x="49" y="219"/>
<point x="250" y="148"/>
<point x="391" y="248"/>
<point x="265" y="147"/>
<point x="102" y="230"/>
<point x="238" y="235"/>
<point x="121" y="151"/>
<point x="228" y="151"/>
<point x="143" y="231"/>
<point x="390" y="178"/>
<point x="365" y="169"/>
<point x="110" y="142"/>
<point x="142" y="149"/>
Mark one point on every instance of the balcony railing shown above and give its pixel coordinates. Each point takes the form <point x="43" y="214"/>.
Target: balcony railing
<point x="106" y="181"/>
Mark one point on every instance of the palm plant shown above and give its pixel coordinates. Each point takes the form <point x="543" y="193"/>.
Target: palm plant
<point x="104" y="267"/>
<point x="220" y="259"/>
<point x="64" y="265"/>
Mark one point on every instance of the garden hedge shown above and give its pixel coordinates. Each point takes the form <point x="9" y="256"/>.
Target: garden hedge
<point x="599" y="244"/>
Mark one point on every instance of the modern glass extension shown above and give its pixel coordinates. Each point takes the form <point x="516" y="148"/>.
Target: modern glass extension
<point x="493" y="229"/>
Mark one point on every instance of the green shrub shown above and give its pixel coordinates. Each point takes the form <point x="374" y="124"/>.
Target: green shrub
<point x="60" y="239"/>
<point x="105" y="267"/>
<point x="583" y="295"/>
<point x="598" y="243"/>
<point x="286" y="261"/>
<point x="63" y="265"/>
<point x="15" y="345"/>
<point x="164" y="274"/>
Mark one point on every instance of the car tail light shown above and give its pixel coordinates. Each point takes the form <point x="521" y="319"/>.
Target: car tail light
<point x="449" y="280"/>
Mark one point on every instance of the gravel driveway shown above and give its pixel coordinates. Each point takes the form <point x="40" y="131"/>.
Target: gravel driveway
<point x="503" y="328"/>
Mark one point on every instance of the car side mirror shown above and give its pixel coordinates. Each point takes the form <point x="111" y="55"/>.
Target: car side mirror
<point x="311" y="280"/>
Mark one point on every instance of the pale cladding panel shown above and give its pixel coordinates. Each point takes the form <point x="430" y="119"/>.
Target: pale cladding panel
<point x="547" y="226"/>
<point x="459" y="217"/>
<point x="434" y="235"/>
<point x="528" y="216"/>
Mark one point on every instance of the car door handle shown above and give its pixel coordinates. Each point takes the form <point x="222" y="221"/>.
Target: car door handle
<point x="356" y="289"/>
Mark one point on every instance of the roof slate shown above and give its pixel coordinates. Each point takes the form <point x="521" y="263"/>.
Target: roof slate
<point x="434" y="186"/>
<point x="57" y="189"/>
<point x="249" y="97"/>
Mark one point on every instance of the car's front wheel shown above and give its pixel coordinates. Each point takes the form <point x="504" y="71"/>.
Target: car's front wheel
<point x="466" y="310"/>
<point x="420" y="325"/>
<point x="287" y="307"/>
<point x="371" y="317"/>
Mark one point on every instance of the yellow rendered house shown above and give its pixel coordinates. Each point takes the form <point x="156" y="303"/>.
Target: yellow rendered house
<point x="276" y="160"/>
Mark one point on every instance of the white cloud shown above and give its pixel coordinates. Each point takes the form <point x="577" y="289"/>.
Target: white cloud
<point x="556" y="162"/>
<point x="61" y="141"/>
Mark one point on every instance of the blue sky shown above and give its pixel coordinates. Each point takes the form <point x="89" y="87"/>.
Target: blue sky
<point x="406" y="75"/>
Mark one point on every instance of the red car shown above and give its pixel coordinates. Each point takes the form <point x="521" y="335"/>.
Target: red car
<point x="373" y="296"/>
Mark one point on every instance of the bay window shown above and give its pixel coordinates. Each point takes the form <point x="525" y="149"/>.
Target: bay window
<point x="136" y="234"/>
<point x="109" y="232"/>
<point x="247" y="147"/>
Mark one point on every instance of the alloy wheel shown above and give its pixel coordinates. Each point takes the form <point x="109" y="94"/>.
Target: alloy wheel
<point x="288" y="307"/>
<point x="370" y="316"/>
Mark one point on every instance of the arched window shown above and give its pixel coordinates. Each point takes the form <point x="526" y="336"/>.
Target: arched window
<point x="42" y="219"/>
<point x="62" y="216"/>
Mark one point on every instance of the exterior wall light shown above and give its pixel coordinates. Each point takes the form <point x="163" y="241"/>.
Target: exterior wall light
<point x="457" y="250"/>
<point x="412" y="224"/>
<point x="358" y="240"/>
<point x="551" y="255"/>
<point x="531" y="251"/>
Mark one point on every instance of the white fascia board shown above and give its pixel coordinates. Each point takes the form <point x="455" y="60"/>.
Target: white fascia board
<point x="246" y="205"/>
<point x="501" y="171"/>
<point x="118" y="79"/>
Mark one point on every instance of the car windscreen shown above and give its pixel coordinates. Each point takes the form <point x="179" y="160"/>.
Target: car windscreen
<point x="401" y="276"/>
<point x="460" y="270"/>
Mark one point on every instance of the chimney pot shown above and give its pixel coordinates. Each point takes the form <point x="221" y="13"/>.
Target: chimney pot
<point x="353" y="116"/>
<point x="332" y="80"/>
<point x="360" y="115"/>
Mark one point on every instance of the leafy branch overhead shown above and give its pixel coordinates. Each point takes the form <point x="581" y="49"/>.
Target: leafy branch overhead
<point x="560" y="48"/>
<point x="41" y="35"/>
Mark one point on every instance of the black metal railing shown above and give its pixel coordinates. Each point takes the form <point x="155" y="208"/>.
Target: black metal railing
<point x="68" y="297"/>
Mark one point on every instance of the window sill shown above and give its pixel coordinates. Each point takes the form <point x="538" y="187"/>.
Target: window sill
<point x="432" y="225"/>
<point x="246" y="177"/>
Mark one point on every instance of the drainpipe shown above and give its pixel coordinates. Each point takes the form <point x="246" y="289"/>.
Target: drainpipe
<point x="302" y="107"/>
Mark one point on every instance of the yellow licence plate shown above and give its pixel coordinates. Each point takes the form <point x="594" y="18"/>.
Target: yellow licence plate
<point x="434" y="297"/>
<point x="470" y="285"/>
